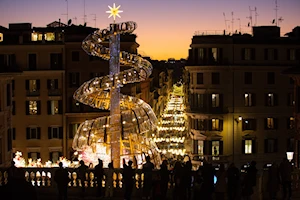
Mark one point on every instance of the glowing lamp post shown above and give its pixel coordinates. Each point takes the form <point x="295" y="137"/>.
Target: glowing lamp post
<point x="290" y="155"/>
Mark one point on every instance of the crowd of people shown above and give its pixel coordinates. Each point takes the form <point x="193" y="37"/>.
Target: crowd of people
<point x="208" y="182"/>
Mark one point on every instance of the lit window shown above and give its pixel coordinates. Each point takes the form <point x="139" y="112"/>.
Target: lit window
<point x="1" y="37"/>
<point x="215" y="148"/>
<point x="214" y="52"/>
<point x="215" y="125"/>
<point x="200" y="147"/>
<point x="248" y="99"/>
<point x="215" y="100"/>
<point x="49" y="36"/>
<point x="270" y="99"/>
<point x="33" y="108"/>
<point x="32" y="85"/>
<point x="248" y="146"/>
<point x="54" y="107"/>
<point x="270" y="123"/>
<point x="292" y="123"/>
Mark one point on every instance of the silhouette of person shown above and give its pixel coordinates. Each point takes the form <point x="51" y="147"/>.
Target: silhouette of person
<point x="147" y="170"/>
<point x="233" y="180"/>
<point x="99" y="172"/>
<point x="273" y="184"/>
<point x="187" y="178"/>
<point x="220" y="188"/>
<point x="128" y="178"/>
<point x="81" y="171"/>
<point x="286" y="178"/>
<point x="109" y="186"/>
<point x="164" y="179"/>
<point x="25" y="190"/>
<point x="178" y="174"/>
<point x="61" y="177"/>
<point x="208" y="173"/>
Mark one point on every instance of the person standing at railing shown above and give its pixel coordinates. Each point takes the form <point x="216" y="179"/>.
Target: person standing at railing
<point x="286" y="178"/>
<point x="109" y="181"/>
<point x="61" y="177"/>
<point x="128" y="178"/>
<point x="147" y="170"/>
<point x="164" y="179"/>
<point x="81" y="171"/>
<point x="99" y="172"/>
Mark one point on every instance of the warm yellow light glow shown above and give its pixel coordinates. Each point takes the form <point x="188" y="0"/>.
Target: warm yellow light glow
<point x="114" y="11"/>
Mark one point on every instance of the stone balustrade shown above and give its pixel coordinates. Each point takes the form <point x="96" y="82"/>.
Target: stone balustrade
<point x="42" y="178"/>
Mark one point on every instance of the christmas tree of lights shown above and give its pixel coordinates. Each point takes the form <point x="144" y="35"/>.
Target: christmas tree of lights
<point x="123" y="133"/>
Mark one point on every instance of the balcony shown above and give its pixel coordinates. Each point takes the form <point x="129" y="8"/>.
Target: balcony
<point x="54" y="92"/>
<point x="34" y="93"/>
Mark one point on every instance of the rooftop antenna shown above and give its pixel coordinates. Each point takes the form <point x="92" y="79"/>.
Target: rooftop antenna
<point x="276" y="10"/>
<point x="95" y="19"/>
<point x="232" y="22"/>
<point x="255" y="10"/>
<point x="225" y="21"/>
<point x="250" y="18"/>
<point x="75" y="18"/>
<point x="67" y="11"/>
<point x="256" y="14"/>
<point x="84" y="15"/>
<point x="240" y="28"/>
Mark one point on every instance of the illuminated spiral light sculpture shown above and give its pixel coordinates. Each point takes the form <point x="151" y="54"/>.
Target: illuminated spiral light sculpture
<point x="137" y="117"/>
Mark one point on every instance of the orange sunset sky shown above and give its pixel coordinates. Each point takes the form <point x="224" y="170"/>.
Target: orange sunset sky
<point x="165" y="27"/>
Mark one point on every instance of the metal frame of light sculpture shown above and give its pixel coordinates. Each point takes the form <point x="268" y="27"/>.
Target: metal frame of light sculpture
<point x="131" y="118"/>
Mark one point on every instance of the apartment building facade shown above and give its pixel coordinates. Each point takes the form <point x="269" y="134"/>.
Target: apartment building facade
<point x="239" y="105"/>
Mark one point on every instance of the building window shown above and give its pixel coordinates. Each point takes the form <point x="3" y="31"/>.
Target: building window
<point x="96" y="74"/>
<point x="271" y="99"/>
<point x="33" y="133"/>
<point x="215" y="148"/>
<point x="199" y="78"/>
<point x="270" y="145"/>
<point x="215" y="78"/>
<point x="248" y="54"/>
<point x="248" y="146"/>
<point x="33" y="107"/>
<point x="32" y="61"/>
<point x="75" y="56"/>
<point x="271" y="123"/>
<point x="249" y="99"/>
<point x="8" y="95"/>
<point x="73" y="130"/>
<point x="201" y="53"/>
<point x="14" y="133"/>
<point x="291" y="54"/>
<point x="216" y="124"/>
<point x="9" y="139"/>
<point x="291" y="123"/>
<point x="271" y="54"/>
<point x="200" y="147"/>
<point x="13" y="87"/>
<point x="34" y="156"/>
<point x="13" y="108"/>
<point x="271" y="78"/>
<point x="52" y="84"/>
<point x="215" y="100"/>
<point x="74" y="79"/>
<point x="55" y="133"/>
<point x="33" y="87"/>
<point x="56" y="61"/>
<point x="54" y="107"/>
<point x="249" y="124"/>
<point x="55" y="155"/>
<point x="290" y="99"/>
<point x="248" y="78"/>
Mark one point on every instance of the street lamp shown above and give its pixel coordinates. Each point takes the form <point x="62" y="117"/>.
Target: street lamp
<point x="290" y="155"/>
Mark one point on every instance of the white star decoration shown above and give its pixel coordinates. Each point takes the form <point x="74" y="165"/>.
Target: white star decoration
<point x="114" y="11"/>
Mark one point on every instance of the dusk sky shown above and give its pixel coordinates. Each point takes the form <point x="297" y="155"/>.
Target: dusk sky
<point x="165" y="27"/>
